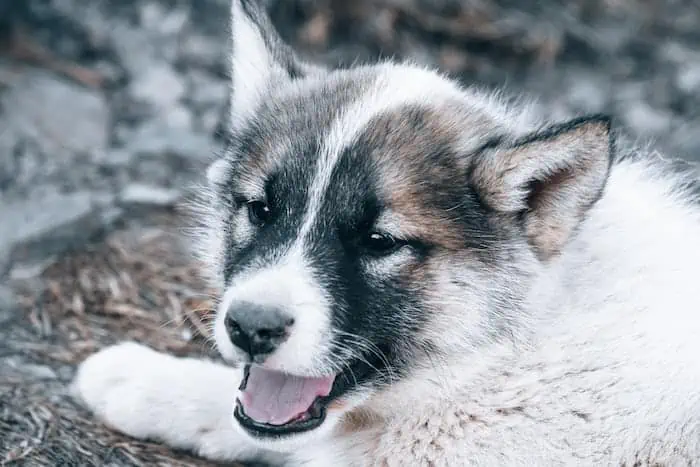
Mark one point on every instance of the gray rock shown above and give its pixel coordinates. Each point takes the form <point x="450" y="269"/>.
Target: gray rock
<point x="207" y="91"/>
<point x="159" y="138"/>
<point x="115" y="158"/>
<point x="209" y="120"/>
<point x="165" y="22"/>
<point x="136" y="50"/>
<point x="673" y="51"/>
<point x="202" y="51"/>
<point x="178" y="117"/>
<point x="44" y="226"/>
<point x="111" y="216"/>
<point x="142" y="194"/>
<point x="58" y="114"/>
<point x="159" y="85"/>
<point x="587" y="92"/>
<point x="52" y="132"/>
<point x="688" y="78"/>
<point x="646" y="120"/>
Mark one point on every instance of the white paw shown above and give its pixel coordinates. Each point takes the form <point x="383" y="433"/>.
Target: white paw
<point x="117" y="383"/>
<point x="184" y="402"/>
<point x="104" y="370"/>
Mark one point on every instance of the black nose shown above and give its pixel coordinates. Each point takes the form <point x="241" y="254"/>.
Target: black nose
<point x="257" y="330"/>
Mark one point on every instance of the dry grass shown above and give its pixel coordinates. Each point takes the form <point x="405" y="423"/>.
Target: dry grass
<point x="136" y="285"/>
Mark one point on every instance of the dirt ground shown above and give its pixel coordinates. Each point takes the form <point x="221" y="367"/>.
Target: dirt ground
<point x="136" y="281"/>
<point x="137" y="284"/>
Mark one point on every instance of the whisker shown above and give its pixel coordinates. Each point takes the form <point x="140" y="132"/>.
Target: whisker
<point x="370" y="347"/>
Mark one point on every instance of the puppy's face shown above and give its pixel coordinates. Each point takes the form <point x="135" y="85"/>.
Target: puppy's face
<point x="365" y="223"/>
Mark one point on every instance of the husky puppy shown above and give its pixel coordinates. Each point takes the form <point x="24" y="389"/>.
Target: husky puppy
<point x="415" y="273"/>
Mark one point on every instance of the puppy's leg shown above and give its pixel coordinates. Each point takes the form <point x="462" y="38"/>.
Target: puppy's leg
<point x="183" y="402"/>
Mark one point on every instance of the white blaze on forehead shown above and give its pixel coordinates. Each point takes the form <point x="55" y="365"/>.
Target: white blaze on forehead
<point x="394" y="87"/>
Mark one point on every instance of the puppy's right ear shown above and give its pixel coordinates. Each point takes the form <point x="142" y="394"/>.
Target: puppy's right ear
<point x="552" y="178"/>
<point x="260" y="58"/>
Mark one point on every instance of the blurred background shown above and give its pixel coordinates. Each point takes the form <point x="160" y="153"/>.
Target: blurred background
<point x="110" y="109"/>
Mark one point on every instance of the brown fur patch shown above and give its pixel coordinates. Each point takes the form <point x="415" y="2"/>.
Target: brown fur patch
<point x="358" y="420"/>
<point x="420" y="158"/>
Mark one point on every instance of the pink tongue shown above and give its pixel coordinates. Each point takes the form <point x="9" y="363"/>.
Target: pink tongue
<point x="277" y="398"/>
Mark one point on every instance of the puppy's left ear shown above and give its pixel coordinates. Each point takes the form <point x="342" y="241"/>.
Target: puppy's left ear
<point x="550" y="178"/>
<point x="259" y="59"/>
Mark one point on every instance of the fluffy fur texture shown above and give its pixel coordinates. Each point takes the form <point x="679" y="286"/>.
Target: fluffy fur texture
<point x="532" y="299"/>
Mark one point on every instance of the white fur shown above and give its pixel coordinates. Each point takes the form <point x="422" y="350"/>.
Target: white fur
<point x="252" y="66"/>
<point x="603" y="369"/>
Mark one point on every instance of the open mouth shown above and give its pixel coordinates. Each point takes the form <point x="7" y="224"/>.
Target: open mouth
<point x="273" y="403"/>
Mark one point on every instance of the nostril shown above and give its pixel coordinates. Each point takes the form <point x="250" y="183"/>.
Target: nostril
<point x="232" y="326"/>
<point x="269" y="334"/>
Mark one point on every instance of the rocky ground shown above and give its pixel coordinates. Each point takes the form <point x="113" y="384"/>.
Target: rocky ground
<point x="89" y="176"/>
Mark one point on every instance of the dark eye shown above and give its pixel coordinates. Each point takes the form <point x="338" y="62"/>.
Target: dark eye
<point x="258" y="212"/>
<point x="380" y="244"/>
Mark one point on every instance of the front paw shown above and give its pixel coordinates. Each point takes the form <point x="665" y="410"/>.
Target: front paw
<point x="186" y="403"/>
<point x="119" y="384"/>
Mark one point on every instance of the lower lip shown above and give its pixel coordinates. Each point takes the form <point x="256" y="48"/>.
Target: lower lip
<point x="264" y="430"/>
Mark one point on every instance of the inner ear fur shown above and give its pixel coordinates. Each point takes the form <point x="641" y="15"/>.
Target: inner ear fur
<point x="550" y="178"/>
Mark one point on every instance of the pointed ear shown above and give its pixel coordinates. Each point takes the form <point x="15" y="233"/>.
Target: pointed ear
<point x="259" y="58"/>
<point x="550" y="178"/>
